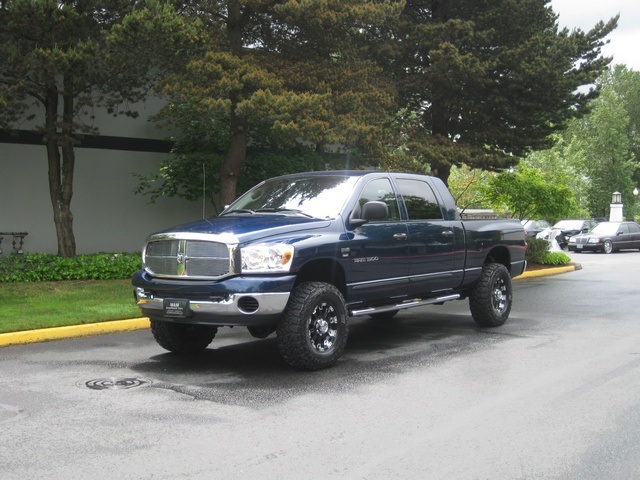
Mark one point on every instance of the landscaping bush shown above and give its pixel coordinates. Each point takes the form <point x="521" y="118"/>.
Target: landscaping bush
<point x="537" y="250"/>
<point x="555" y="258"/>
<point x="37" y="267"/>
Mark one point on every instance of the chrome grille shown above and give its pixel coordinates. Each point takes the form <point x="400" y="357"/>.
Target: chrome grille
<point x="187" y="258"/>
<point x="582" y="240"/>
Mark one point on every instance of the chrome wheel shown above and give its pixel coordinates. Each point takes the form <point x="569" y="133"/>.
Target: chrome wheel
<point x="607" y="246"/>
<point x="322" y="328"/>
<point x="499" y="298"/>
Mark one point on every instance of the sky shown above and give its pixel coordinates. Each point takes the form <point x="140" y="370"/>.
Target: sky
<point x="624" y="45"/>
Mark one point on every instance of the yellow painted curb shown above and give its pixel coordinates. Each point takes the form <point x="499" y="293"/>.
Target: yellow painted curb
<point x="548" y="271"/>
<point x="44" y="334"/>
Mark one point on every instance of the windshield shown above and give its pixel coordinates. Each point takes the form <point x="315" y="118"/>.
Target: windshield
<point x="605" y="228"/>
<point x="314" y="196"/>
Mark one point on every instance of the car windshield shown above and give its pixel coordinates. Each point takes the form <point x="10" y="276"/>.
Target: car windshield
<point x="606" y="228"/>
<point x="313" y="196"/>
<point x="569" y="225"/>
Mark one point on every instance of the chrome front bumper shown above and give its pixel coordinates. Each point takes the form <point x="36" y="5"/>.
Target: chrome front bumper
<point x="234" y="305"/>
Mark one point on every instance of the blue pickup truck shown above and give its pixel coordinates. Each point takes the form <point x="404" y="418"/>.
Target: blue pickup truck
<point x="300" y="254"/>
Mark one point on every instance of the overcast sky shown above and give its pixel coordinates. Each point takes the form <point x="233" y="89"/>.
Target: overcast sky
<point x="624" y="43"/>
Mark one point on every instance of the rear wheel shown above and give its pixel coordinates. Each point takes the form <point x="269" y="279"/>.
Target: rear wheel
<point x="490" y="300"/>
<point x="312" y="333"/>
<point x="182" y="338"/>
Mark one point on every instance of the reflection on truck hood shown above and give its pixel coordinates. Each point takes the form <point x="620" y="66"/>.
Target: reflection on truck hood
<point x="246" y="227"/>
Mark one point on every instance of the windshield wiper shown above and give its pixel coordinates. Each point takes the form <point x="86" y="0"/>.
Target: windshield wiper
<point x="239" y="210"/>
<point x="278" y="210"/>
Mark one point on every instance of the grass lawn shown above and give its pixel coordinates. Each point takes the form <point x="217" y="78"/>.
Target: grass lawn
<point x="27" y="306"/>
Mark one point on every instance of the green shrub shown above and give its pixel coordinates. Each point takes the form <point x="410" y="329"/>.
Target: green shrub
<point x="537" y="250"/>
<point x="555" y="258"/>
<point x="37" y="267"/>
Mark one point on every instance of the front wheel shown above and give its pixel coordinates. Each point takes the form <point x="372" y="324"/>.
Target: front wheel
<point x="607" y="246"/>
<point x="182" y="338"/>
<point x="312" y="333"/>
<point x="490" y="300"/>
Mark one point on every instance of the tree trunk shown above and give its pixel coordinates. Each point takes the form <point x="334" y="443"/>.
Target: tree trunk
<point x="61" y="167"/>
<point x="234" y="160"/>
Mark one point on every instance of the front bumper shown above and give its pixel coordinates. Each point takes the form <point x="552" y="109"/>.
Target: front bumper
<point x="236" y="309"/>
<point x="589" y="247"/>
<point x="234" y="301"/>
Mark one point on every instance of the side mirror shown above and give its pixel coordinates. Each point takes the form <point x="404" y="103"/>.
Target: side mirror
<point x="373" y="210"/>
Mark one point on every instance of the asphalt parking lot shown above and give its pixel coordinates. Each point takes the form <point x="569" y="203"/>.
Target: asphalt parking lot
<point x="551" y="394"/>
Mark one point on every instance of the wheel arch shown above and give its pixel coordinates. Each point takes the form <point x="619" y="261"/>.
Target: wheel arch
<point x="499" y="254"/>
<point x="323" y="270"/>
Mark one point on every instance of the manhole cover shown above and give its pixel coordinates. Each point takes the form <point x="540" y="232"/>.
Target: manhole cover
<point x="114" y="383"/>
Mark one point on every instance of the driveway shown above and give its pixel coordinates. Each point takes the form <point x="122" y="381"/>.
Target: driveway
<point x="553" y="394"/>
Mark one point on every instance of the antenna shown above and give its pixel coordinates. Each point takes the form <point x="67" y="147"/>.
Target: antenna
<point x="204" y="187"/>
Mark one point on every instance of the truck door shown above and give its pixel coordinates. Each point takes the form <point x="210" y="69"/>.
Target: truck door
<point x="433" y="241"/>
<point x="378" y="250"/>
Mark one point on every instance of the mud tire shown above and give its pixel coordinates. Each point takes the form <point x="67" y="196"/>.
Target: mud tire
<point x="490" y="300"/>
<point x="313" y="331"/>
<point x="182" y="338"/>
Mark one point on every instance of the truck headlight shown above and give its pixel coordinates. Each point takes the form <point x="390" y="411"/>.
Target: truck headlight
<point x="268" y="258"/>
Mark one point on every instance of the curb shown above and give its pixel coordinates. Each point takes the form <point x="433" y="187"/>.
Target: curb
<point x="549" y="271"/>
<point x="117" y="326"/>
<point x="58" y="333"/>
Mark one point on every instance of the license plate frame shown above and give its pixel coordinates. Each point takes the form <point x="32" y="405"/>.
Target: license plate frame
<point x="175" y="308"/>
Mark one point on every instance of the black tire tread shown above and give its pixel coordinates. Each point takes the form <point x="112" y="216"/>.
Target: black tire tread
<point x="480" y="304"/>
<point x="291" y="331"/>
<point x="182" y="338"/>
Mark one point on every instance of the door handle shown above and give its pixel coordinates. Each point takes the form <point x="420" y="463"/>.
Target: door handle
<point x="447" y="233"/>
<point x="400" y="236"/>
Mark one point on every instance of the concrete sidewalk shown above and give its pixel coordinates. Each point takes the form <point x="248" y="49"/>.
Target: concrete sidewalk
<point x="115" y="326"/>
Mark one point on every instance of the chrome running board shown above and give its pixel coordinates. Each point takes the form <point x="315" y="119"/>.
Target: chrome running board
<point x="403" y="305"/>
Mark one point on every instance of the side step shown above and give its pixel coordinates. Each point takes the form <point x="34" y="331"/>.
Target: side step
<point x="403" y="305"/>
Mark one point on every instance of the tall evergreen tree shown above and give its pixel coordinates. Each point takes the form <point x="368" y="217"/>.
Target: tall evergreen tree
<point x="488" y="80"/>
<point x="296" y="69"/>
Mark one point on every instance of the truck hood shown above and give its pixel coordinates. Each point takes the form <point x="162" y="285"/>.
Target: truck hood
<point x="249" y="227"/>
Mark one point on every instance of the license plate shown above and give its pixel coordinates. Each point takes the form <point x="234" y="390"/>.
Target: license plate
<point x="579" y="247"/>
<point x="175" y="307"/>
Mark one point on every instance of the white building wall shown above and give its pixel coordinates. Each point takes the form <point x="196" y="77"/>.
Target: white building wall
<point x="108" y="217"/>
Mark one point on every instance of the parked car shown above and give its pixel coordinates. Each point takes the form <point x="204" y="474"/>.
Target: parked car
<point x="534" y="227"/>
<point x="565" y="229"/>
<point x="607" y="237"/>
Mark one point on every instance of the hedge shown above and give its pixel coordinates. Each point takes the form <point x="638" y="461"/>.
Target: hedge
<point x="37" y="267"/>
<point x="538" y="252"/>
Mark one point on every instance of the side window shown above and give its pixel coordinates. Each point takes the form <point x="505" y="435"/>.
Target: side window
<point x="382" y="191"/>
<point x="624" y="228"/>
<point x="633" y="228"/>
<point x="420" y="200"/>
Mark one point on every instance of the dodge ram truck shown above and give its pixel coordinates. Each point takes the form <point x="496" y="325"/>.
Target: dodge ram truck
<point x="301" y="254"/>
